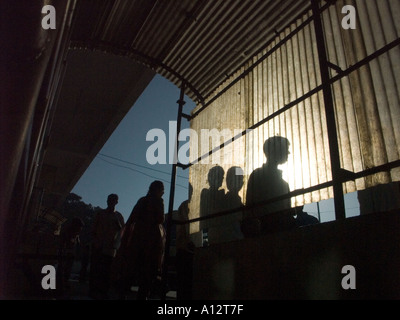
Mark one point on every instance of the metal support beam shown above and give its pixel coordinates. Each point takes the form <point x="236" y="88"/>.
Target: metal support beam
<point x="348" y="176"/>
<point x="27" y="50"/>
<point x="338" y="77"/>
<point x="334" y="67"/>
<point x="181" y="103"/>
<point x="330" y="113"/>
<point x="186" y="116"/>
<point x="146" y="60"/>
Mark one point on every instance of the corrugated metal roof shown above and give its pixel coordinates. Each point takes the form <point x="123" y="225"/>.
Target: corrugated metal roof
<point x="200" y="42"/>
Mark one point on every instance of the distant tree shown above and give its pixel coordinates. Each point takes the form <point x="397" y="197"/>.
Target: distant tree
<point x="72" y="197"/>
<point x="73" y="206"/>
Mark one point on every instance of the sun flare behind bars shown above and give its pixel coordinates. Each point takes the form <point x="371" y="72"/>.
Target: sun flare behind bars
<point x="278" y="93"/>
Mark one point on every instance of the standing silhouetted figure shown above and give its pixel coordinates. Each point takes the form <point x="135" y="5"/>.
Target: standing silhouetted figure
<point x="227" y="227"/>
<point x="211" y="201"/>
<point x="69" y="241"/>
<point x="143" y="242"/>
<point x="107" y="231"/>
<point x="267" y="183"/>
<point x="184" y="252"/>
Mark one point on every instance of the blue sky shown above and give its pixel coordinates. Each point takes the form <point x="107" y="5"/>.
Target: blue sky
<point x="121" y="166"/>
<point x="154" y="109"/>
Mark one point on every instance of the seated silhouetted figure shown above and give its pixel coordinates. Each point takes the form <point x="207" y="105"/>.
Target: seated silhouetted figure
<point x="267" y="183"/>
<point x="303" y="218"/>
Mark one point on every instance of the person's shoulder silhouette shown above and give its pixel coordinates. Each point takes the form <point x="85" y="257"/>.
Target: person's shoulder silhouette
<point x="234" y="183"/>
<point x="266" y="182"/>
<point x="230" y="224"/>
<point x="304" y="219"/>
<point x="210" y="198"/>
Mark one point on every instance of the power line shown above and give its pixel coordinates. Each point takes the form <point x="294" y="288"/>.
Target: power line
<point x="140" y="166"/>
<point x="153" y="177"/>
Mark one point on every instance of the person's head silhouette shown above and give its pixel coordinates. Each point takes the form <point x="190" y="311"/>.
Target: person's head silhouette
<point x="156" y="189"/>
<point x="234" y="179"/>
<point x="276" y="149"/>
<point x="216" y="177"/>
<point x="112" y="201"/>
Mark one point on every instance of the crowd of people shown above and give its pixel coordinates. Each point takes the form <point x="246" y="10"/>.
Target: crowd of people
<point x="125" y="254"/>
<point x="120" y="254"/>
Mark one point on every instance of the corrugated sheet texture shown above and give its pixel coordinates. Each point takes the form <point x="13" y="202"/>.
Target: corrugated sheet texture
<point x="202" y="41"/>
<point x="368" y="101"/>
<point x="209" y="43"/>
<point x="366" y="104"/>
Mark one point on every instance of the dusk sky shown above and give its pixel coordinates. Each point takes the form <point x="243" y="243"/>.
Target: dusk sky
<point x="121" y="166"/>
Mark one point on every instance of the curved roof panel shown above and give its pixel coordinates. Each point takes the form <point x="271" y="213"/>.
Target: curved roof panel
<point x="199" y="42"/>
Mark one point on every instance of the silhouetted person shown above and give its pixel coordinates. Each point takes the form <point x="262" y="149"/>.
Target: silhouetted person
<point x="303" y="218"/>
<point x="84" y="251"/>
<point x="227" y="227"/>
<point x="184" y="251"/>
<point x="69" y="240"/>
<point x="267" y="183"/>
<point x="143" y="242"/>
<point x="107" y="231"/>
<point x="211" y="200"/>
<point x="85" y="259"/>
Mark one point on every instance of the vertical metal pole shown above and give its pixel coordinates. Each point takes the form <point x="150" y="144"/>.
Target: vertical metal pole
<point x="319" y="213"/>
<point x="180" y="102"/>
<point x="330" y="113"/>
